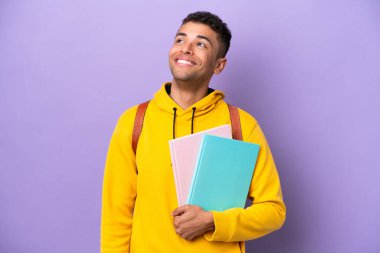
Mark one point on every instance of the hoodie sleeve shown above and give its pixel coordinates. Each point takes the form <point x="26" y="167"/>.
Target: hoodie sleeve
<point x="267" y="212"/>
<point x="119" y="188"/>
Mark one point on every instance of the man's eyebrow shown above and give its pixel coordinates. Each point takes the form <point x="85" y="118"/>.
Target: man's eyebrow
<point x="180" y="34"/>
<point x="205" y="38"/>
<point x="198" y="36"/>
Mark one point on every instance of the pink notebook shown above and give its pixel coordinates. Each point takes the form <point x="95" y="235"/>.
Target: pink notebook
<point x="184" y="155"/>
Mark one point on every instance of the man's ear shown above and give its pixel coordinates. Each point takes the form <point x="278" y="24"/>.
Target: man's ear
<point x="220" y="65"/>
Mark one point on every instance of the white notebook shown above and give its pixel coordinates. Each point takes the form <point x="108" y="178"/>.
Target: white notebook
<point x="184" y="154"/>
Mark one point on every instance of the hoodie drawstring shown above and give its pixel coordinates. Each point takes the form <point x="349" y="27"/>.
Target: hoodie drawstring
<point x="175" y="115"/>
<point x="192" y="120"/>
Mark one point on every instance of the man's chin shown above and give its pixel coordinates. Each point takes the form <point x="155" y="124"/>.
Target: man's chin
<point x="182" y="77"/>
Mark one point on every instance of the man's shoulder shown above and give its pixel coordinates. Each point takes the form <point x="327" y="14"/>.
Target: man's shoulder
<point x="130" y="112"/>
<point x="127" y="117"/>
<point x="246" y="117"/>
<point x="250" y="127"/>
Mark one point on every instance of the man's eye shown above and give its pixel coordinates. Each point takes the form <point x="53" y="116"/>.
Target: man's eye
<point x="178" y="40"/>
<point x="201" y="44"/>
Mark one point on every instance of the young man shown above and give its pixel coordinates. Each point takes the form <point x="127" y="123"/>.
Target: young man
<point x="140" y="212"/>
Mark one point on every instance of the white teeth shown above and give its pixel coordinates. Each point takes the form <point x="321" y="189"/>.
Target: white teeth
<point x="184" y="62"/>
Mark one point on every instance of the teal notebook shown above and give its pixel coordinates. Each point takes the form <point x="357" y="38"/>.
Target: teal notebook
<point x="223" y="173"/>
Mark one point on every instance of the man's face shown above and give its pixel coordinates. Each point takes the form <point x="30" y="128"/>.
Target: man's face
<point x="194" y="54"/>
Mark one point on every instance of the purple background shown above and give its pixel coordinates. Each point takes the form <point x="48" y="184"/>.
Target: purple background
<point x="309" y="71"/>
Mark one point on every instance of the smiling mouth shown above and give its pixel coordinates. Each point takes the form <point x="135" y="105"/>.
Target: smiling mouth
<point x="185" y="62"/>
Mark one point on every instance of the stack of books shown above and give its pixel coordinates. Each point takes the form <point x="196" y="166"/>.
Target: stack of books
<point x="211" y="170"/>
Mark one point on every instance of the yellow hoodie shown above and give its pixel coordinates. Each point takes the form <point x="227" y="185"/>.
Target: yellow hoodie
<point x="139" y="191"/>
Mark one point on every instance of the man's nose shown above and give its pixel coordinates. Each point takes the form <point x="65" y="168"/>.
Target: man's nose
<point x="187" y="48"/>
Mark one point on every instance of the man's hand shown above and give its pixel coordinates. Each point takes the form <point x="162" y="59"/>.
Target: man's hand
<point x="192" y="221"/>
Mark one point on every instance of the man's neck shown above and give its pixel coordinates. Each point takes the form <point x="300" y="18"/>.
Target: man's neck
<point x="185" y="94"/>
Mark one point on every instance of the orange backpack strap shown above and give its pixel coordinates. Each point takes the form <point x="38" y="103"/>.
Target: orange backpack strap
<point x="137" y="127"/>
<point x="140" y="114"/>
<point x="235" y="122"/>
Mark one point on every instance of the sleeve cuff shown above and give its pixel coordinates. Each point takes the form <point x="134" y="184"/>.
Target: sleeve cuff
<point x="224" y="227"/>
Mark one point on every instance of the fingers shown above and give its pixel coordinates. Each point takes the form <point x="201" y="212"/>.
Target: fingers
<point x="190" y="222"/>
<point x="186" y="233"/>
<point x="180" y="210"/>
<point x="187" y="236"/>
<point x="176" y="222"/>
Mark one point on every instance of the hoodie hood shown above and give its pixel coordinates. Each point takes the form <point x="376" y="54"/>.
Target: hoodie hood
<point x="202" y="107"/>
